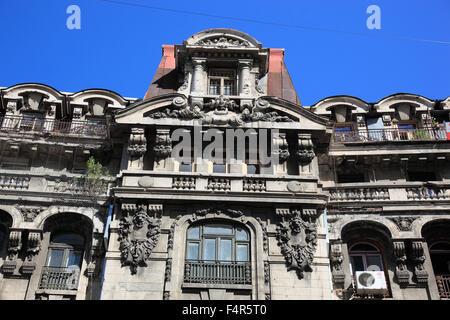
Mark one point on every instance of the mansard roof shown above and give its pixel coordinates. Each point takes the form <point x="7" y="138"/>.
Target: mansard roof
<point x="170" y="70"/>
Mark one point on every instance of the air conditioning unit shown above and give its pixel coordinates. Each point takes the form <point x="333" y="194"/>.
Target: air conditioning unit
<point x="370" y="282"/>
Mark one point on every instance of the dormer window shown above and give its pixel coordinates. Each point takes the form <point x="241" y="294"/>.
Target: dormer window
<point x="222" y="82"/>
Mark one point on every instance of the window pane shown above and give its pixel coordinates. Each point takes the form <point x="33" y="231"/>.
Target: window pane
<point x="374" y="263"/>
<point x="343" y="129"/>
<point x="186" y="167"/>
<point x="241" y="234"/>
<point x="56" y="258"/>
<point x="209" y="249"/>
<point x="74" y="258"/>
<point x="225" y="250"/>
<point x="252" y="169"/>
<point x="219" y="168"/>
<point x="357" y="263"/>
<point x="363" y="247"/>
<point x="194" y="233"/>
<point x="217" y="229"/>
<point x="192" y="253"/>
<point x="214" y="86"/>
<point x="228" y="87"/>
<point x="69" y="238"/>
<point x="242" y="252"/>
<point x="406" y="127"/>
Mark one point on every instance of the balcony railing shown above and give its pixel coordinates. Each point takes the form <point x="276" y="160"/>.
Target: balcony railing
<point x="443" y="283"/>
<point x="59" y="278"/>
<point x="214" y="272"/>
<point x="22" y="125"/>
<point x="380" y="135"/>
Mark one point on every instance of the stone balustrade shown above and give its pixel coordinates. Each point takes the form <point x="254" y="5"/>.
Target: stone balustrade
<point x="184" y="183"/>
<point x="219" y="184"/>
<point x="256" y="185"/>
<point x="10" y="182"/>
<point x="359" y="194"/>
<point x="426" y="193"/>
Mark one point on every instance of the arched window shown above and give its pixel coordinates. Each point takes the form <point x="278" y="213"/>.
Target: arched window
<point x="365" y="256"/>
<point x="218" y="253"/>
<point x="440" y="257"/>
<point x="65" y="250"/>
<point x="62" y="268"/>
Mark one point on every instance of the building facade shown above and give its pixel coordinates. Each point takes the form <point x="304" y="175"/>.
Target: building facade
<point x="222" y="185"/>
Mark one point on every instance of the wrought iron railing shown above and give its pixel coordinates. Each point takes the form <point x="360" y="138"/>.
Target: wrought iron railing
<point x="443" y="283"/>
<point x="23" y="125"/>
<point x="379" y="135"/>
<point x="215" y="272"/>
<point x="59" y="278"/>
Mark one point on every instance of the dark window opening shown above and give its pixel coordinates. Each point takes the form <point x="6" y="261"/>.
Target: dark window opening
<point x="349" y="178"/>
<point x="421" y="176"/>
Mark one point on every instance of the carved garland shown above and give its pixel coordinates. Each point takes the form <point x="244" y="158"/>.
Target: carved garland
<point x="297" y="238"/>
<point x="221" y="110"/>
<point x="138" y="235"/>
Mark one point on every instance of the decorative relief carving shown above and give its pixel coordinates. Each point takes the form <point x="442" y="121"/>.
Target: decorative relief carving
<point x="305" y="153"/>
<point x="221" y="110"/>
<point x="168" y="272"/>
<point x="265" y="235"/>
<point x="33" y="247"/>
<point x="137" y="146"/>
<point x="14" y="246"/>
<point x="29" y="214"/>
<point x="139" y="234"/>
<point x="233" y="213"/>
<point x="222" y="42"/>
<point x="172" y="233"/>
<point x="163" y="144"/>
<point x="401" y="270"/>
<point x="297" y="238"/>
<point x="281" y="147"/>
<point x="418" y="257"/>
<point x="336" y="259"/>
<point x="266" y="272"/>
<point x="403" y="223"/>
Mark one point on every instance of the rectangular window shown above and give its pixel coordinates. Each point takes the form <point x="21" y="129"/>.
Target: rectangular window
<point x="357" y="263"/>
<point x="219" y="168"/>
<point x="209" y="249"/>
<point x="242" y="252"/>
<point x="218" y="229"/>
<point x="56" y="258"/>
<point x="421" y="175"/>
<point x="192" y="252"/>
<point x="186" y="167"/>
<point x="222" y="82"/>
<point x="349" y="178"/>
<point x="225" y="250"/>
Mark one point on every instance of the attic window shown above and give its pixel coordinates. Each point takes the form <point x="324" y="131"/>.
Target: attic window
<point x="222" y="82"/>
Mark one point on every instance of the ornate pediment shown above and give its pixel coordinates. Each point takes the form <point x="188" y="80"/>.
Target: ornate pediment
<point x="221" y="111"/>
<point x="222" y="42"/>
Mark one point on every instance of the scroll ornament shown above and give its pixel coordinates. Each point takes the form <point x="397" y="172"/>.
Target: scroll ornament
<point x="298" y="240"/>
<point x="138" y="236"/>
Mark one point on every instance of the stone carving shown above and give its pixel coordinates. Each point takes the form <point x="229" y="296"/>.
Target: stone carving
<point x="295" y="186"/>
<point x="138" y="143"/>
<point x="234" y="213"/>
<point x="166" y="295"/>
<point x="172" y="232"/>
<point x="222" y="111"/>
<point x="281" y="147"/>
<point x="30" y="213"/>
<point x="265" y="235"/>
<point x="336" y="259"/>
<point x="266" y="272"/>
<point x="403" y="223"/>
<point x="305" y="153"/>
<point x="146" y="181"/>
<point x="14" y="246"/>
<point x="401" y="270"/>
<point x="168" y="271"/>
<point x="163" y="144"/>
<point x="418" y="257"/>
<point x="297" y="238"/>
<point x="138" y="235"/>
<point x="223" y="42"/>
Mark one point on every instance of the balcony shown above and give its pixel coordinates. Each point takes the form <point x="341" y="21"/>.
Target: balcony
<point x="390" y="135"/>
<point x="443" y="283"/>
<point x="59" y="278"/>
<point x="382" y="192"/>
<point x="49" y="127"/>
<point x="217" y="272"/>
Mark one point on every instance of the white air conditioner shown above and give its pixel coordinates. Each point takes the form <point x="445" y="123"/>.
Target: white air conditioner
<point x="370" y="282"/>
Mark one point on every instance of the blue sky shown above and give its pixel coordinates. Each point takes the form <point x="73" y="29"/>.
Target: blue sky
<point x="119" y="46"/>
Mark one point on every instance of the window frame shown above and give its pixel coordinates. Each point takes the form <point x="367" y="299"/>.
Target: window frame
<point x="379" y="252"/>
<point x="67" y="250"/>
<point x="218" y="237"/>
<point x="222" y="79"/>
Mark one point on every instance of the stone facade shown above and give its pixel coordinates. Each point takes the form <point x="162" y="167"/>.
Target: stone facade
<point x="358" y="187"/>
